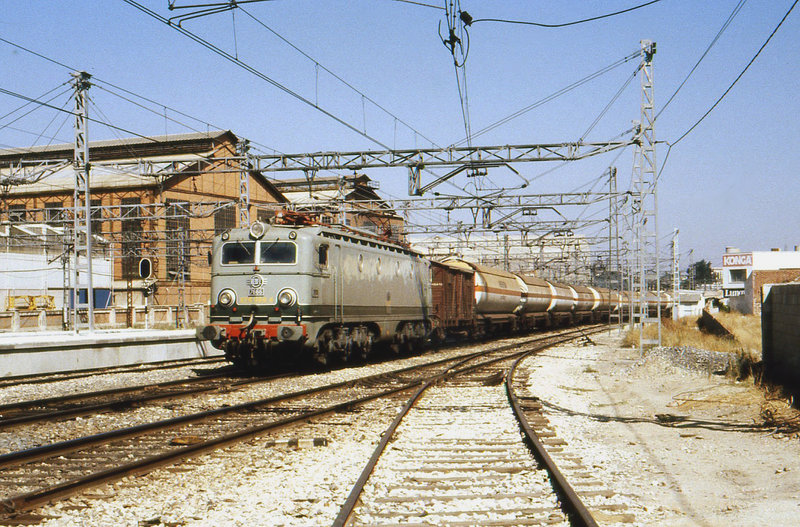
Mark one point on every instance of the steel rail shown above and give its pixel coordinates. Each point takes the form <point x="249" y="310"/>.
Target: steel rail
<point x="570" y="501"/>
<point x="71" y="445"/>
<point x="132" y="368"/>
<point x="31" y="500"/>
<point x="117" y="404"/>
<point x="348" y="507"/>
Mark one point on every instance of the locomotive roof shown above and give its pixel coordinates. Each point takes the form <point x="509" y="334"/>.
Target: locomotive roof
<point x="364" y="238"/>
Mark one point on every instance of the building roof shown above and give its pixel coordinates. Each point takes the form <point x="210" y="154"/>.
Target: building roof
<point x="128" y="148"/>
<point x="116" y="164"/>
<point x="326" y="189"/>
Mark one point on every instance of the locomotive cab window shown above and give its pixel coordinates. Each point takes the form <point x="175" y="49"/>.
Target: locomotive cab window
<point x="239" y="253"/>
<point x="278" y="252"/>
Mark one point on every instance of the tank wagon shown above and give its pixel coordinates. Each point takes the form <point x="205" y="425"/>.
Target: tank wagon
<point x="331" y="292"/>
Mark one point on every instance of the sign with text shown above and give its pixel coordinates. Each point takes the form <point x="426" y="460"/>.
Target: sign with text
<point x="737" y="260"/>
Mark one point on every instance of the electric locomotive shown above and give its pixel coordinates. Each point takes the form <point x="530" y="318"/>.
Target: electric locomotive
<point x="319" y="290"/>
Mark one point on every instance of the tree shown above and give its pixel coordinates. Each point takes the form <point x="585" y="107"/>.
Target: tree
<point x="698" y="273"/>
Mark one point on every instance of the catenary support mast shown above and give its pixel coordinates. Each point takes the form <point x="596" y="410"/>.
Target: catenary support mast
<point x="82" y="225"/>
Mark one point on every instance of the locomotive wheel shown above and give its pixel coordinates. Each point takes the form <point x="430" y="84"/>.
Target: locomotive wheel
<point x="366" y="348"/>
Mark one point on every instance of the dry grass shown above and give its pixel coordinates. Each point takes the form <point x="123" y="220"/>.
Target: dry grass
<point x="746" y="329"/>
<point x="684" y="332"/>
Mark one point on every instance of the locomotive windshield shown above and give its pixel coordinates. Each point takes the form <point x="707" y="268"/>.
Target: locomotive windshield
<point x="278" y="252"/>
<point x="239" y="253"/>
<point x="274" y="252"/>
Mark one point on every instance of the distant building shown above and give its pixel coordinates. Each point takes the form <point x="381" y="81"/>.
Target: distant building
<point x="691" y="304"/>
<point x="745" y="275"/>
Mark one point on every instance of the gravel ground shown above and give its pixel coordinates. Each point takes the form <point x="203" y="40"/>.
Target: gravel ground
<point x="680" y="446"/>
<point x="250" y="484"/>
<point x="101" y="381"/>
<point x="426" y="445"/>
<point x="34" y="435"/>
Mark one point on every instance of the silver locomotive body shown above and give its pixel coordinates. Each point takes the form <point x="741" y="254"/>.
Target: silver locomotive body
<point x="322" y="290"/>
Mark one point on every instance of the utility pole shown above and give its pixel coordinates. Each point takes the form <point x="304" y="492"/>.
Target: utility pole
<point x="81" y="202"/>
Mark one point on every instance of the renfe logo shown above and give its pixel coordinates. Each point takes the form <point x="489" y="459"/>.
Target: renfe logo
<point x="737" y="260"/>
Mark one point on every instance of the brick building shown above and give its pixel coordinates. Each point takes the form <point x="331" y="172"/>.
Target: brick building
<point x="161" y="198"/>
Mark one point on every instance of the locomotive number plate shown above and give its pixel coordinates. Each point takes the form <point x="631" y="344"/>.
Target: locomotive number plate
<point x="256" y="291"/>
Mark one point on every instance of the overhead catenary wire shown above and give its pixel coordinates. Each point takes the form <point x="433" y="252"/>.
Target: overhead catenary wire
<point x="721" y="97"/>
<point x="564" y="24"/>
<point x="227" y="56"/>
<point x="101" y="83"/>
<point x="47" y="105"/>
<point x="727" y="23"/>
<point x="337" y="77"/>
<point x="552" y="96"/>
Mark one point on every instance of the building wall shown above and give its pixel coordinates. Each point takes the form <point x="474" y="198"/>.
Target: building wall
<point x="781" y="335"/>
<point x="750" y="303"/>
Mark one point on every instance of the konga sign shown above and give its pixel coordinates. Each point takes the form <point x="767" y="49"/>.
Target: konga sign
<point x="737" y="260"/>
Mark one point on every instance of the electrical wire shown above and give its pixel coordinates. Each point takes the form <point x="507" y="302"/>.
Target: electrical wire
<point x="250" y="69"/>
<point x="29" y="103"/>
<point x="733" y="14"/>
<point x="98" y="82"/>
<point x="719" y="100"/>
<point x="337" y="77"/>
<point x="565" y="24"/>
<point x="47" y="105"/>
<point x="551" y="97"/>
<point x="610" y="104"/>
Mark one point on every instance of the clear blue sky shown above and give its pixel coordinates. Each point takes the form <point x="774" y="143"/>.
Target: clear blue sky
<point x="732" y="181"/>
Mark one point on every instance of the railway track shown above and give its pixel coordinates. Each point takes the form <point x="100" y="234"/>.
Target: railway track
<point x="36" y="476"/>
<point x="456" y="459"/>
<point x="134" y="368"/>
<point x="117" y="399"/>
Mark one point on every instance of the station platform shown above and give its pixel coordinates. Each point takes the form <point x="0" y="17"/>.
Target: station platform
<point x="36" y="353"/>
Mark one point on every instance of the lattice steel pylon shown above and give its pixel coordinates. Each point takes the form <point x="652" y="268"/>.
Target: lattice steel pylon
<point x="676" y="276"/>
<point x="647" y="277"/>
<point x="81" y="236"/>
<point x="242" y="149"/>
<point x="616" y="286"/>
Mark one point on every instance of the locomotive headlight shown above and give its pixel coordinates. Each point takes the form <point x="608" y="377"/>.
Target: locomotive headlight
<point x="287" y="298"/>
<point x="226" y="297"/>
<point x="257" y="229"/>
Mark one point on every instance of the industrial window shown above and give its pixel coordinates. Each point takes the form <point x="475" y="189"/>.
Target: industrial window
<point x="278" y="252"/>
<point x="54" y="213"/>
<point x="224" y="219"/>
<point x="96" y="215"/>
<point x="738" y="275"/>
<point x="177" y="240"/>
<point x="17" y="213"/>
<point x="131" y="237"/>
<point x="239" y="253"/>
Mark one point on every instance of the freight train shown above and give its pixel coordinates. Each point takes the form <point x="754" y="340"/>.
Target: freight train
<point x="334" y="293"/>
